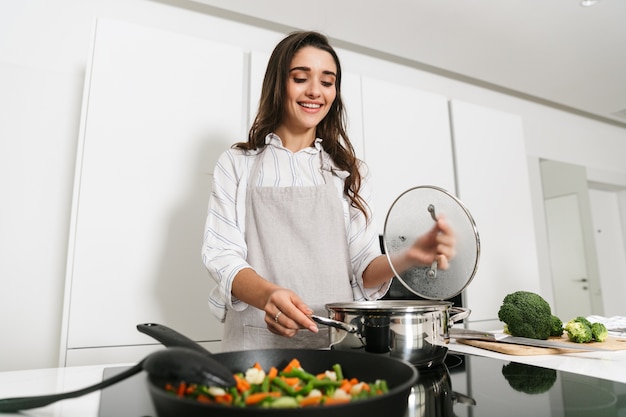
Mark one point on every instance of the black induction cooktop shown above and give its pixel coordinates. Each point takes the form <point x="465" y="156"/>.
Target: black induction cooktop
<point x="465" y="385"/>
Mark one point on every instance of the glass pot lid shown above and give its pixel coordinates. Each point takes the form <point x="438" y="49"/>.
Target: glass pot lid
<point x="410" y="216"/>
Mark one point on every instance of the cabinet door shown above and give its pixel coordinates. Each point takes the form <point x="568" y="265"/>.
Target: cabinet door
<point x="493" y="183"/>
<point x="407" y="141"/>
<point x="351" y="94"/>
<point x="159" y="108"/>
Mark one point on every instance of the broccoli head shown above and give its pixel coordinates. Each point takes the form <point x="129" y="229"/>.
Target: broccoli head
<point x="526" y="314"/>
<point x="557" y="326"/>
<point x="599" y="332"/>
<point x="579" y="331"/>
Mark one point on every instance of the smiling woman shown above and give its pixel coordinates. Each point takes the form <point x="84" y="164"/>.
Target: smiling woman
<point x="289" y="227"/>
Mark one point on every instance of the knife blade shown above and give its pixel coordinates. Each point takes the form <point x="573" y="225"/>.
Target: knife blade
<point x="552" y="344"/>
<point x="458" y="333"/>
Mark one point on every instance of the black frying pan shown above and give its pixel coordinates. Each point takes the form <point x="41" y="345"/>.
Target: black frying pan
<point x="400" y="377"/>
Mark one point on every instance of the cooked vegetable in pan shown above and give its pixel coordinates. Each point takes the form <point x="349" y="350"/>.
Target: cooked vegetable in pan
<point x="292" y="387"/>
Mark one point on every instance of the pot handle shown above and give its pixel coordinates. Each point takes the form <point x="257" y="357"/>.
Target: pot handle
<point x="459" y="313"/>
<point x="334" y="323"/>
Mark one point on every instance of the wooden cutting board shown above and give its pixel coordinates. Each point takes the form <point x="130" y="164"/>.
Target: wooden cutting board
<point x="612" y="343"/>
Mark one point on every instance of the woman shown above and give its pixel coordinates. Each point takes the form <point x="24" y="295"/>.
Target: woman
<point x="288" y="227"/>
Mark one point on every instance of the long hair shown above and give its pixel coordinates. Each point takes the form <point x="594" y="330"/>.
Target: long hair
<point x="331" y="129"/>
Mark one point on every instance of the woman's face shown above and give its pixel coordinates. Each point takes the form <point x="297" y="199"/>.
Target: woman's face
<point x="311" y="89"/>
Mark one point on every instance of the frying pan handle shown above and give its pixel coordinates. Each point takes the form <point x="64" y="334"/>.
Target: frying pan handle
<point x="460" y="313"/>
<point x="170" y="337"/>
<point x="334" y="323"/>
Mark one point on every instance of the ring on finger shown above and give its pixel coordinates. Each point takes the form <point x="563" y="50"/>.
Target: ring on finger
<point x="277" y="316"/>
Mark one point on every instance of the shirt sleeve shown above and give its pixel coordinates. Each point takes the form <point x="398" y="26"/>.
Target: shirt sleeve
<point x="364" y="243"/>
<point x="224" y="248"/>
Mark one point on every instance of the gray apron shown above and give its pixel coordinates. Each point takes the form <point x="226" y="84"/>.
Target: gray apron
<point x="296" y="239"/>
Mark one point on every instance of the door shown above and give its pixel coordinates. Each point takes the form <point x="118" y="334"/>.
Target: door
<point x="611" y="248"/>
<point x="570" y="240"/>
<point x="567" y="255"/>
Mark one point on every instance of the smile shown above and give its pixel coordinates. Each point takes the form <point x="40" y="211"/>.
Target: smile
<point x="310" y="105"/>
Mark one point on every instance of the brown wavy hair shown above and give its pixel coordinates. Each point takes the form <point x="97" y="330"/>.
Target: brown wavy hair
<point x="331" y="129"/>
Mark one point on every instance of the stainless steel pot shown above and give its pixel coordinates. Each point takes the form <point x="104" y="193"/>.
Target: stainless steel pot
<point x="416" y="331"/>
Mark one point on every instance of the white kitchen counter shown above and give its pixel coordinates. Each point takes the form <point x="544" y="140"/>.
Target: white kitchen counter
<point x="49" y="381"/>
<point x="607" y="365"/>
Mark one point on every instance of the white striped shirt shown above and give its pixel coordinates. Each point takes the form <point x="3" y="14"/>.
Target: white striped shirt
<point x="224" y="249"/>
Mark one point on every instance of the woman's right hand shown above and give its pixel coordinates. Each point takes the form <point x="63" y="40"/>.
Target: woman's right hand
<point x="286" y="313"/>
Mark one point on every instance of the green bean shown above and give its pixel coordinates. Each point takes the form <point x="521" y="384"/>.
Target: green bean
<point x="306" y="389"/>
<point x="265" y="386"/>
<point x="298" y="373"/>
<point x="284" y="386"/>
<point x="382" y="385"/>
<point x="338" y="371"/>
<point x="322" y="383"/>
<point x="237" y="398"/>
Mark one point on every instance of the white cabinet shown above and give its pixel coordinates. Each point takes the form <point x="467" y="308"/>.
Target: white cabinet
<point x="407" y="141"/>
<point x="493" y="182"/>
<point x="158" y="110"/>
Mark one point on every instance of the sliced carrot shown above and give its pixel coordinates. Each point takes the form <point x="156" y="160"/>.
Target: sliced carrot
<point x="257" y="397"/>
<point x="309" y="401"/>
<point x="346" y="386"/>
<point x="273" y="372"/>
<point x="294" y="363"/>
<point x="291" y="381"/>
<point x="242" y="384"/>
<point x="257" y="366"/>
<point x="224" y="399"/>
<point x="181" y="389"/>
<point x="203" y="398"/>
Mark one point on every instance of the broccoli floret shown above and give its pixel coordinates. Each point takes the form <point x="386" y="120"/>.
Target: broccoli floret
<point x="557" y="326"/>
<point x="578" y="331"/>
<point x="599" y="332"/>
<point x="582" y="320"/>
<point x="526" y="314"/>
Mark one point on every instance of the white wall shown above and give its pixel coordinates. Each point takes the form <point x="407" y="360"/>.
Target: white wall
<point x="43" y="51"/>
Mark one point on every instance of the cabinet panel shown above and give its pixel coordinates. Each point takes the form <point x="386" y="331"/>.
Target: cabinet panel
<point x="493" y="182"/>
<point x="407" y="141"/>
<point x="121" y="354"/>
<point x="143" y="181"/>
<point x="353" y="103"/>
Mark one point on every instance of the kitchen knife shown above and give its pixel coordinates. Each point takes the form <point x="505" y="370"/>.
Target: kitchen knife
<point x="551" y="344"/>
<point x="490" y="337"/>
